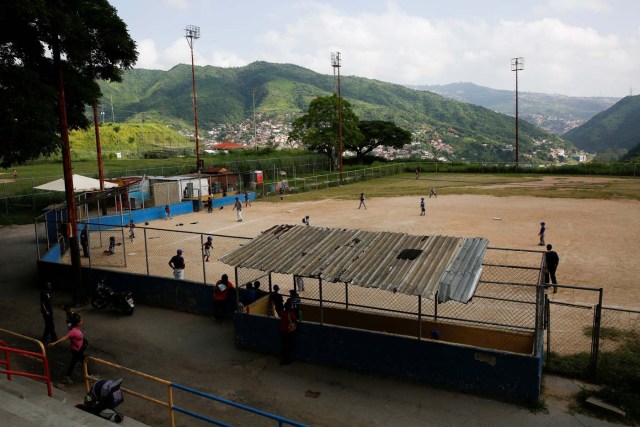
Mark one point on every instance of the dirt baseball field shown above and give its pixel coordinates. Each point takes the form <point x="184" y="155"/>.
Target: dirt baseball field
<point x="598" y="241"/>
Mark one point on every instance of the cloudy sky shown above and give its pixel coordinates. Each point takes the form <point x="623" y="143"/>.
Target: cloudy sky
<point x="570" y="47"/>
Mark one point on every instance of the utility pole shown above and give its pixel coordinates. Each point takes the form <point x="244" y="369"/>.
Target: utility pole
<point x="98" y="146"/>
<point x="255" y="128"/>
<point x="192" y="33"/>
<point x="335" y="63"/>
<point x="517" y="64"/>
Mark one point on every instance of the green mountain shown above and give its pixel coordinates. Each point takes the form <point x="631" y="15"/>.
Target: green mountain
<point x="555" y="113"/>
<point x="283" y="92"/>
<point x="616" y="129"/>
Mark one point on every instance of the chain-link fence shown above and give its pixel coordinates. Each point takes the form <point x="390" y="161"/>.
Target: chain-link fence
<point x="507" y="299"/>
<point x="147" y="251"/>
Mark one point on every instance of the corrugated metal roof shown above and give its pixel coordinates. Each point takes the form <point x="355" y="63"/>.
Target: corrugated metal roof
<point x="449" y="266"/>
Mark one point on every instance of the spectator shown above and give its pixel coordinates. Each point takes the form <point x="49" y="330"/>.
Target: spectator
<point x="78" y="344"/>
<point x="294" y="303"/>
<point x="277" y="300"/>
<point x="178" y="265"/>
<point x="84" y="241"/>
<point x="288" y="328"/>
<point x="551" y="261"/>
<point x="167" y="212"/>
<point x="46" y="309"/>
<point x="249" y="294"/>
<point x="543" y="229"/>
<point x="207" y="248"/>
<point x="220" y="296"/>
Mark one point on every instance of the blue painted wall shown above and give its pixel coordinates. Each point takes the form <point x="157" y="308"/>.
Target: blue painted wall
<point x="181" y="295"/>
<point x="504" y="375"/>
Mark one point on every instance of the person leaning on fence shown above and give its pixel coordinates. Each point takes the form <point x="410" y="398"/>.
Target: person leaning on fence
<point x="220" y="296"/>
<point x="551" y="261"/>
<point x="177" y="263"/>
<point x="294" y="303"/>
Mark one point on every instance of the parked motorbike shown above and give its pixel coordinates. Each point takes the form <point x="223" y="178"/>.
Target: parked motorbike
<point x="104" y="296"/>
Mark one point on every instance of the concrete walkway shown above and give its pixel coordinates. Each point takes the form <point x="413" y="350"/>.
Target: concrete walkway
<point x="196" y="352"/>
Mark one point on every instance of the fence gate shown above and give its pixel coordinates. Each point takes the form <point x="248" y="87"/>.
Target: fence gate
<point x="573" y="327"/>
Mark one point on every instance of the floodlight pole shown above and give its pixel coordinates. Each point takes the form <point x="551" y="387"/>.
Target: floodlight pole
<point x="255" y="129"/>
<point x="517" y="64"/>
<point x="192" y="33"/>
<point x="335" y="63"/>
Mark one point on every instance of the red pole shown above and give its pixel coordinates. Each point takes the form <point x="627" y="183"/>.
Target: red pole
<point x="72" y="230"/>
<point x="98" y="146"/>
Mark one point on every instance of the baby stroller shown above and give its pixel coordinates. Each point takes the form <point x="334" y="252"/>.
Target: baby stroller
<point x="104" y="396"/>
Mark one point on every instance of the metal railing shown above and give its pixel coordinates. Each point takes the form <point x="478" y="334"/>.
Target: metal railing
<point x="169" y="403"/>
<point x="40" y="357"/>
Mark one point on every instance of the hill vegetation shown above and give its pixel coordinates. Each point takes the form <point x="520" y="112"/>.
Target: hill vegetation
<point x="552" y="112"/>
<point x="283" y="93"/>
<point x="616" y="130"/>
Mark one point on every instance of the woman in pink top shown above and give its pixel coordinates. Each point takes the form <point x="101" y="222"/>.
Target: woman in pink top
<point x="77" y="345"/>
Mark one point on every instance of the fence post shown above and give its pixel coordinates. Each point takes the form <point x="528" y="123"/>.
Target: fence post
<point x="321" y="306"/>
<point x="346" y="296"/>
<point x="204" y="268"/>
<point x="547" y="309"/>
<point x="146" y="250"/>
<point x="435" y="307"/>
<point x="595" y="340"/>
<point x="419" y="317"/>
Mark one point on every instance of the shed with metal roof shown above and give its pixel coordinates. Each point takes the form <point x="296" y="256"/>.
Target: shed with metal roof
<point x="445" y="267"/>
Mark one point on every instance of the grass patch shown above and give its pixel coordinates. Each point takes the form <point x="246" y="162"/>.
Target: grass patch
<point x="618" y="371"/>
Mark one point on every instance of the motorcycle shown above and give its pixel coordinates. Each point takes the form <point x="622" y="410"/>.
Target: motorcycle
<point x="104" y="295"/>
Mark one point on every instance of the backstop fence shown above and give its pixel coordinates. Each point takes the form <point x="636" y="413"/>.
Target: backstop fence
<point x="511" y="294"/>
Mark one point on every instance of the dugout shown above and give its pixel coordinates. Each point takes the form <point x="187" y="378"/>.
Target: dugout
<point x="437" y="310"/>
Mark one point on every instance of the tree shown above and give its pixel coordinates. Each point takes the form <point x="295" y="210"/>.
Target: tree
<point x="91" y="42"/>
<point x="318" y="130"/>
<point x="377" y="133"/>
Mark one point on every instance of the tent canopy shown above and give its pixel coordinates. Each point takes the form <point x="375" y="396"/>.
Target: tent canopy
<point x="80" y="184"/>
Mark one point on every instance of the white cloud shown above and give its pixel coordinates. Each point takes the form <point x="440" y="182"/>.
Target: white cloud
<point x="177" y="4"/>
<point x="564" y="6"/>
<point x="398" y="47"/>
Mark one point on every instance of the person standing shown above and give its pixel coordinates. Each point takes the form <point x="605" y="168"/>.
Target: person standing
<point x="281" y="192"/>
<point x="78" y="344"/>
<point x="543" y="229"/>
<point x="177" y="263"/>
<point x="15" y="174"/>
<point x="246" y="199"/>
<point x="69" y="315"/>
<point x="277" y="300"/>
<point x="294" y="303"/>
<point x="220" y="296"/>
<point x="84" y="241"/>
<point x="432" y="192"/>
<point x="210" y="204"/>
<point x="238" y="208"/>
<point x="207" y="248"/>
<point x="417" y="173"/>
<point x="551" y="261"/>
<point x="46" y="309"/>
<point x="167" y="212"/>
<point x="132" y="230"/>
<point x="362" y="202"/>
<point x="423" y="207"/>
<point x="288" y="328"/>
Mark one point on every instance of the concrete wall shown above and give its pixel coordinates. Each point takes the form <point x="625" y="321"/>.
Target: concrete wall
<point x="487" y="372"/>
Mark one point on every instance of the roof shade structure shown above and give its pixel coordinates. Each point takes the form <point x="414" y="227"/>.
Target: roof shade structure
<point x="449" y="267"/>
<point x="80" y="184"/>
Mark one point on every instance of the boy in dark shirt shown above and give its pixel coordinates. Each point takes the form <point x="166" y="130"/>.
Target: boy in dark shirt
<point x="551" y="261"/>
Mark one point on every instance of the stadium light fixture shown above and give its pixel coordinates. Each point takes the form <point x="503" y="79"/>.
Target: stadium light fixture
<point x="517" y="64"/>
<point x="335" y="63"/>
<point x="192" y="32"/>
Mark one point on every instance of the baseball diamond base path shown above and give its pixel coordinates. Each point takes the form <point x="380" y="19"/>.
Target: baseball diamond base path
<point x="598" y="241"/>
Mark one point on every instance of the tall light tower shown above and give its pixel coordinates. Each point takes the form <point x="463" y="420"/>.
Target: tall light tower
<point x="192" y="33"/>
<point x="517" y="64"/>
<point x="255" y="128"/>
<point x="335" y="63"/>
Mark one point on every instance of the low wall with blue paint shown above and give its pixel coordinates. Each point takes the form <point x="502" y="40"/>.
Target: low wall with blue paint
<point x="487" y="372"/>
<point x="164" y="292"/>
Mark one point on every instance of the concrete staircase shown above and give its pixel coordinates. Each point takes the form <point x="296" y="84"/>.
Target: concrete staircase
<point x="24" y="403"/>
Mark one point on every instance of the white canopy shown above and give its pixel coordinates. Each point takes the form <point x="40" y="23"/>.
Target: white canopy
<point x="80" y="184"/>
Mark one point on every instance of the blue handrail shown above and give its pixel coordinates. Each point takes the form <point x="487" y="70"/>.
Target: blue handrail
<point x="281" y="421"/>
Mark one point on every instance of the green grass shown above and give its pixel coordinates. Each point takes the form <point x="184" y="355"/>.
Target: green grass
<point x="618" y="371"/>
